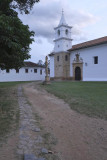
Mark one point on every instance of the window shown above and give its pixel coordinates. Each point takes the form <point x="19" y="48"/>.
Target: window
<point x="41" y="71"/>
<point x="66" y="57"/>
<point x="7" y="70"/>
<point x="58" y="32"/>
<point x="57" y="58"/>
<point x="35" y="70"/>
<point x="17" y="70"/>
<point x="26" y="70"/>
<point x="66" y="32"/>
<point x="96" y="60"/>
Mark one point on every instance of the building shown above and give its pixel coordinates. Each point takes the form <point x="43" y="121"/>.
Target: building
<point x="85" y="61"/>
<point x="29" y="72"/>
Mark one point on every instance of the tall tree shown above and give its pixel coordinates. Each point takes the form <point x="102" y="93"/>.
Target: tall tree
<point x="23" y="5"/>
<point x="15" y="37"/>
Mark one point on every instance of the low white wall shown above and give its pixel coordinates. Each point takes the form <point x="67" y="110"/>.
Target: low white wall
<point x="91" y="71"/>
<point x="22" y="76"/>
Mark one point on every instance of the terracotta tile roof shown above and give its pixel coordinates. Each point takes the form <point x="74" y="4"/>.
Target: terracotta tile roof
<point x="91" y="43"/>
<point x="31" y="64"/>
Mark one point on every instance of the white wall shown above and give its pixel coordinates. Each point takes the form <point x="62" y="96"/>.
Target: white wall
<point x="62" y="45"/>
<point x="92" y="72"/>
<point x="22" y="76"/>
<point x="63" y="41"/>
<point x="51" y="66"/>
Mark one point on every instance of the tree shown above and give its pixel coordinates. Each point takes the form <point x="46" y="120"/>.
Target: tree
<point x="22" y="5"/>
<point x="40" y="62"/>
<point x="15" y="37"/>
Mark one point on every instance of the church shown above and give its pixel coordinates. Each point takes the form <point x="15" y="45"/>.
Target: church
<point x="85" y="61"/>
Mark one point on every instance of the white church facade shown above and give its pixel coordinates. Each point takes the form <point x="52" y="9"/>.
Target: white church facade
<point x="85" y="61"/>
<point x="29" y="72"/>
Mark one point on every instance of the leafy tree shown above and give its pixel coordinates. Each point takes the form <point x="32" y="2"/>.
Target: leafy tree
<point x="15" y="37"/>
<point x="23" y="5"/>
<point x="40" y="62"/>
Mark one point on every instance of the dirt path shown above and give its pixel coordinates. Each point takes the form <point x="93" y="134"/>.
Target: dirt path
<point x="79" y="137"/>
<point x="8" y="151"/>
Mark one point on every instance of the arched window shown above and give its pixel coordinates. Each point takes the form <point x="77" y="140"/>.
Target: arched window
<point x="58" y="32"/>
<point x="66" y="31"/>
<point x="57" y="58"/>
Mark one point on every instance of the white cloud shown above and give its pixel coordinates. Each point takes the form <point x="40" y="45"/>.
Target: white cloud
<point x="46" y="15"/>
<point x="82" y="18"/>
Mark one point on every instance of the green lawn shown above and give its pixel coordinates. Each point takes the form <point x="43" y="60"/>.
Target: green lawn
<point x="9" y="84"/>
<point x="88" y="98"/>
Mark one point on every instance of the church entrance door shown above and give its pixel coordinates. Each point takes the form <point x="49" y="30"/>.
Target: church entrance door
<point x="77" y="73"/>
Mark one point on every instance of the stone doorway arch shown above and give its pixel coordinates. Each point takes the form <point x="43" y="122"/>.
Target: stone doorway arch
<point x="77" y="68"/>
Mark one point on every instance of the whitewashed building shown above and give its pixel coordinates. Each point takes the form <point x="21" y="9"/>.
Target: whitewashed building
<point x="85" y="61"/>
<point x="29" y="72"/>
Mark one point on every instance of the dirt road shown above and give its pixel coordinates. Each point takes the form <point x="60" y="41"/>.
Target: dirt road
<point x="79" y="137"/>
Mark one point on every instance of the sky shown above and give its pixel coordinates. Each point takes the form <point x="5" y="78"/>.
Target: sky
<point x="87" y="17"/>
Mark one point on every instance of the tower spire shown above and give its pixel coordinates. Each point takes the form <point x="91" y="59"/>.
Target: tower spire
<point x="62" y="20"/>
<point x="62" y="11"/>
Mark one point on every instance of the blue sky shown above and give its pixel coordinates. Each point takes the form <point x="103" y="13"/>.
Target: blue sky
<point x="88" y="18"/>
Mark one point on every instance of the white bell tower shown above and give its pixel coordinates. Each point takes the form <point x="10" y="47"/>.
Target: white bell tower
<point x="63" y="40"/>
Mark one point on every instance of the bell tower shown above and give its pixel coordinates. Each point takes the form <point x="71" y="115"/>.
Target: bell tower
<point x="63" y="40"/>
<point x="60" y="57"/>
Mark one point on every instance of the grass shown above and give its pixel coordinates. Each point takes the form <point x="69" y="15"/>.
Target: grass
<point x="88" y="98"/>
<point x="10" y="84"/>
<point x="9" y="111"/>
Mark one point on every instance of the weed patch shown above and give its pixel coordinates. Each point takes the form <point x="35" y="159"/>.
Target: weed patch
<point x="9" y="112"/>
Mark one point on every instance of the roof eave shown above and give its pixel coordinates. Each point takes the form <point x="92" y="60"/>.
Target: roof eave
<point x="63" y="38"/>
<point x="87" y="46"/>
<point x="62" y="25"/>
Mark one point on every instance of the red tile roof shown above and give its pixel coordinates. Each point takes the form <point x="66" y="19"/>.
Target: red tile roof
<point x="91" y="43"/>
<point x="31" y="64"/>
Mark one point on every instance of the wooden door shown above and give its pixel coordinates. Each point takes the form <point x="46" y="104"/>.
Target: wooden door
<point x="78" y="73"/>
